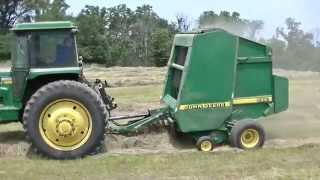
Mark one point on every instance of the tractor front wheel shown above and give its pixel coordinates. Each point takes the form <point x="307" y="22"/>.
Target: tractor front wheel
<point x="65" y="120"/>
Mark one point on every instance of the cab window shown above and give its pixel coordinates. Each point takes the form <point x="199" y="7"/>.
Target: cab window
<point x="52" y="49"/>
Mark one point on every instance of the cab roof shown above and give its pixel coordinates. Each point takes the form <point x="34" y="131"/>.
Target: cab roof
<point x="44" y="26"/>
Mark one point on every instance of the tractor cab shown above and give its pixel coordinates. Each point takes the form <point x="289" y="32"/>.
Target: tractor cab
<point x="45" y="45"/>
<point x="41" y="52"/>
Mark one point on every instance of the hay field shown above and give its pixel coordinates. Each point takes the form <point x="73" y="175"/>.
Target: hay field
<point x="292" y="150"/>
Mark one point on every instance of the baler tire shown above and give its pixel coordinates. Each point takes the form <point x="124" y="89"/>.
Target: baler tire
<point x="205" y="141"/>
<point x="239" y="130"/>
<point x="67" y="92"/>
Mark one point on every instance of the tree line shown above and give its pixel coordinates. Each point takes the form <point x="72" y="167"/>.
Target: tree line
<point x="120" y="36"/>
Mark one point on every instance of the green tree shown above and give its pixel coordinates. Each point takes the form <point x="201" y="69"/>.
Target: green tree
<point x="149" y="35"/>
<point x="119" y="21"/>
<point x="161" y="44"/>
<point x="294" y="36"/>
<point x="11" y="11"/>
<point x="38" y="6"/>
<point x="254" y="27"/>
<point x="145" y="24"/>
<point x="278" y="49"/>
<point x="231" y="22"/>
<point x="131" y="34"/>
<point x="92" y="37"/>
<point x="5" y="47"/>
<point x="51" y="11"/>
<point x="300" y="52"/>
<point x="182" y="23"/>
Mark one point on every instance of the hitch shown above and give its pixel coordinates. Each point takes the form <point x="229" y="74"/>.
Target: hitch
<point x="134" y="122"/>
<point x="139" y="121"/>
<point x="100" y="87"/>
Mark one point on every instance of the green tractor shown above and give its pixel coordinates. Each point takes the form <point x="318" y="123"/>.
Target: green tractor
<point x="64" y="116"/>
<point x="217" y="86"/>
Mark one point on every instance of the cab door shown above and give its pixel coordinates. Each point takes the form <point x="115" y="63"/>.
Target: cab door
<point x="20" y="68"/>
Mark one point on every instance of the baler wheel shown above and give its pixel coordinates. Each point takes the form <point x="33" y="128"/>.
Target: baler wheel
<point x="247" y="135"/>
<point x="205" y="144"/>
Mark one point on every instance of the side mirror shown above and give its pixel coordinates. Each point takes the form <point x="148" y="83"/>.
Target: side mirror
<point x="75" y="31"/>
<point x="80" y="61"/>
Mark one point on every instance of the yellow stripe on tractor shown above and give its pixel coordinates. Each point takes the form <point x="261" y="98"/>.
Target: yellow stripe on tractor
<point x="252" y="100"/>
<point x="6" y="81"/>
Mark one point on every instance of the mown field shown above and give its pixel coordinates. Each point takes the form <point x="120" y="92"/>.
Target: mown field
<point x="292" y="150"/>
<point x="289" y="163"/>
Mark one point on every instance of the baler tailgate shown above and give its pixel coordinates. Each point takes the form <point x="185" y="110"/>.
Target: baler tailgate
<point x="281" y="95"/>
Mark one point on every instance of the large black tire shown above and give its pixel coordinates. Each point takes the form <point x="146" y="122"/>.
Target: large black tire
<point x="239" y="131"/>
<point x="61" y="90"/>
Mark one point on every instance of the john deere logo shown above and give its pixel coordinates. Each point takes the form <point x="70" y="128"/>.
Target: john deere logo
<point x="204" y="106"/>
<point x="236" y="101"/>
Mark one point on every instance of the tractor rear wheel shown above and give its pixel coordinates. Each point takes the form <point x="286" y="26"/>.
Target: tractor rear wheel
<point x="247" y="135"/>
<point x="65" y="120"/>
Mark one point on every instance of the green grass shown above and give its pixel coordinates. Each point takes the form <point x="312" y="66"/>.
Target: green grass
<point x="302" y="119"/>
<point x="136" y="99"/>
<point x="291" y="163"/>
<point x="137" y="94"/>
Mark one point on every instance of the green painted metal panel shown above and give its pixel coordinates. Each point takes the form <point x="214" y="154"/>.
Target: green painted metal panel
<point x="254" y="80"/>
<point x="281" y="94"/>
<point x="9" y="113"/>
<point x="34" y="73"/>
<point x="170" y="101"/>
<point x="219" y="77"/>
<point x="202" y="120"/>
<point x="9" y="106"/>
<point x="184" y="39"/>
<point x="207" y="78"/>
<point x="251" y="111"/>
<point x="5" y="74"/>
<point x="249" y="48"/>
<point x="44" y="26"/>
<point x="6" y="94"/>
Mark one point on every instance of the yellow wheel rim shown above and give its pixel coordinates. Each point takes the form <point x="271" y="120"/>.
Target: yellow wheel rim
<point x="65" y="124"/>
<point x="206" y="146"/>
<point x="250" y="138"/>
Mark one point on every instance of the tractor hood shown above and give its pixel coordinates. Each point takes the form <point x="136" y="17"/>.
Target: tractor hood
<point x="5" y="74"/>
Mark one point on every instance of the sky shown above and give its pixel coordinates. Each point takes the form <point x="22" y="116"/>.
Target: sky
<point x="272" y="12"/>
